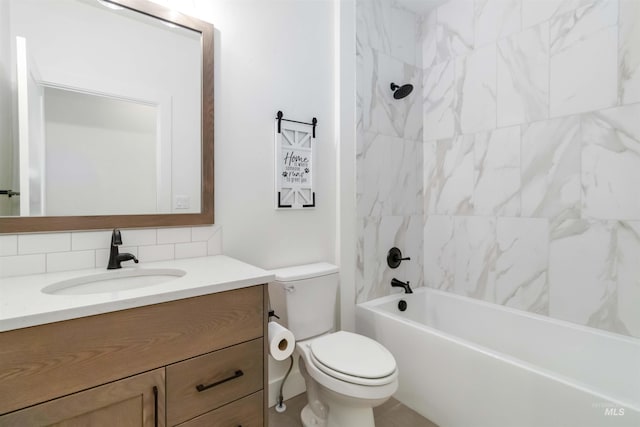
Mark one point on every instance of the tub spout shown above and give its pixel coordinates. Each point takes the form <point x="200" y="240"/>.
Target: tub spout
<point x="398" y="284"/>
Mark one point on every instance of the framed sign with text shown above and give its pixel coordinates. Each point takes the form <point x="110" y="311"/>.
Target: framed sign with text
<point x="294" y="156"/>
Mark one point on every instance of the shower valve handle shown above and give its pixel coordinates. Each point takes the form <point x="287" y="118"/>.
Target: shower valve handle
<point x="394" y="258"/>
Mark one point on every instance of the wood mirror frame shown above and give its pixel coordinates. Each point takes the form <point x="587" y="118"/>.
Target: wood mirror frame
<point x="61" y="223"/>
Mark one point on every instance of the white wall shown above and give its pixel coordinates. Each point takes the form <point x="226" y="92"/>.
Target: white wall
<point x="87" y="172"/>
<point x="346" y="130"/>
<point x="269" y="56"/>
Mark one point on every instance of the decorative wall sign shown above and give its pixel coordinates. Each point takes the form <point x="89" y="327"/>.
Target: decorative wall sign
<point x="294" y="149"/>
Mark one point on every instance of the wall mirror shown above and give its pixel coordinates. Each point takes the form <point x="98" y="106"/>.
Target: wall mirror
<point x="106" y="116"/>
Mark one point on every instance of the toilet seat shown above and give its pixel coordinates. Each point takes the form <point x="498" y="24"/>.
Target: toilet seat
<point x="353" y="358"/>
<point x="346" y="387"/>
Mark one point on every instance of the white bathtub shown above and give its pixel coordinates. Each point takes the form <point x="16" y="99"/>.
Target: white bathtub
<point x="467" y="363"/>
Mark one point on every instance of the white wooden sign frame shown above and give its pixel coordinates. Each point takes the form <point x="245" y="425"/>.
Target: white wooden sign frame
<point x="294" y="165"/>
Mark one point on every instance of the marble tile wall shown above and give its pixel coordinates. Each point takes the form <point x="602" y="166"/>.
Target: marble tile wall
<point x="389" y="146"/>
<point x="531" y="145"/>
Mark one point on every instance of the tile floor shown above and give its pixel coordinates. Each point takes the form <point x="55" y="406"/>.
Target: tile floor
<point x="390" y="414"/>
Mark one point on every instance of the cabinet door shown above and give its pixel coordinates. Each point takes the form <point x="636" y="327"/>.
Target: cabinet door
<point x="134" y="401"/>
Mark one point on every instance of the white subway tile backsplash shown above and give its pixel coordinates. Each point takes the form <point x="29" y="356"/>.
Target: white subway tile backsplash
<point x="174" y="235"/>
<point x="139" y="237"/>
<point x="8" y="244"/>
<point x="214" y="244"/>
<point x="44" y="243"/>
<point x="203" y="233"/>
<point x="65" y="261"/>
<point x="156" y="253"/>
<point x="23" y="254"/>
<point x="191" y="250"/>
<point x="211" y="235"/>
<point x="83" y="240"/>
<point x="19" y="265"/>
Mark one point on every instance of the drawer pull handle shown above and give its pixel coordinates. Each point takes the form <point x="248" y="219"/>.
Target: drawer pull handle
<point x="155" y="406"/>
<point x="237" y="374"/>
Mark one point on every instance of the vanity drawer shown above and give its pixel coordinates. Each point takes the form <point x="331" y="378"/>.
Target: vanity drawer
<point x="246" y="412"/>
<point x="224" y="376"/>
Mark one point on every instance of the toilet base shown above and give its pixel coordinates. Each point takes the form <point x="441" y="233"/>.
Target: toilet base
<point x="327" y="408"/>
<point x="309" y="419"/>
<point x="345" y="411"/>
<point x="338" y="417"/>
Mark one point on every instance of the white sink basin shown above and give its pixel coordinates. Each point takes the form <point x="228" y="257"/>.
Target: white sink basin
<point x="113" y="281"/>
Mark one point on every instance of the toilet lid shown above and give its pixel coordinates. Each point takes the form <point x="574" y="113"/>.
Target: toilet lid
<point x="353" y="355"/>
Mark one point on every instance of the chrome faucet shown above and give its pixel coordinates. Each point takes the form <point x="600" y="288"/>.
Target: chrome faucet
<point x="398" y="284"/>
<point x="115" y="257"/>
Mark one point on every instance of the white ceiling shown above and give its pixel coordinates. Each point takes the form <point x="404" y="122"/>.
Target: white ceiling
<point x="419" y="6"/>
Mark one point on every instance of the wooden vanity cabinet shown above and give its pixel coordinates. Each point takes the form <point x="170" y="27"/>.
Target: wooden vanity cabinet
<point x="190" y="361"/>
<point x="131" y="402"/>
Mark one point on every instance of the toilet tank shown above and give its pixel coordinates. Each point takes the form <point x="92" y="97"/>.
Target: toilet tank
<point x="305" y="298"/>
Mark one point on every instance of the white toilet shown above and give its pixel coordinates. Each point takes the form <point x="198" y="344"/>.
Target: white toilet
<point x="346" y="374"/>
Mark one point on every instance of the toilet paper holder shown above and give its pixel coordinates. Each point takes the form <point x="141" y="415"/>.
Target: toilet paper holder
<point x="271" y="314"/>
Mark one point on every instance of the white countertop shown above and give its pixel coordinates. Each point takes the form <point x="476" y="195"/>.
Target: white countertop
<point x="22" y="304"/>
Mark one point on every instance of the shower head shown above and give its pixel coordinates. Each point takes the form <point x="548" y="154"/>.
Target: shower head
<point x="400" y="92"/>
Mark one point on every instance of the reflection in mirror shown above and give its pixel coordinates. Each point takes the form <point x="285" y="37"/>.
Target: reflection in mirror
<point x="101" y="156"/>
<point x="101" y="111"/>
